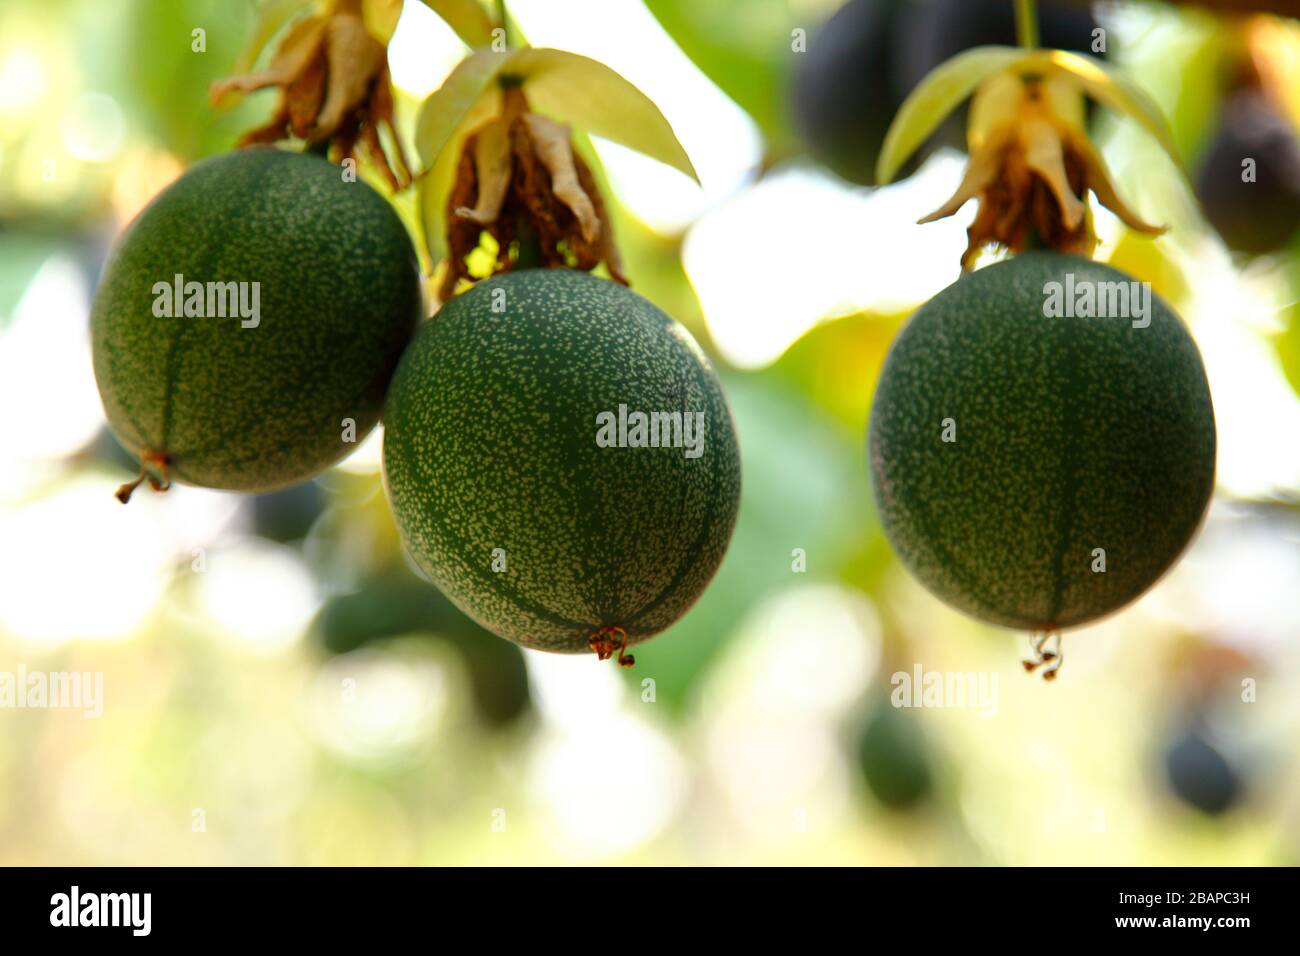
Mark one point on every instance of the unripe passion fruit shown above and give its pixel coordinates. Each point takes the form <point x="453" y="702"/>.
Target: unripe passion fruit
<point x="517" y="487"/>
<point x="1040" y="472"/>
<point x="297" y="294"/>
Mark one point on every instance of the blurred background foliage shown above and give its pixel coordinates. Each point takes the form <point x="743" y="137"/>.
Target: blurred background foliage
<point x="281" y="687"/>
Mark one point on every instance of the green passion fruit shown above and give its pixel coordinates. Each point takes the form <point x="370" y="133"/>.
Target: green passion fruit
<point x="561" y="461"/>
<point x="1039" y="472"/>
<point x="249" y="320"/>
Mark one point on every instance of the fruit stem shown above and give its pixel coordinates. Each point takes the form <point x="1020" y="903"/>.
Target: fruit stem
<point x="611" y="640"/>
<point x="1027" y="23"/>
<point x="1040" y="654"/>
<point x="150" y="462"/>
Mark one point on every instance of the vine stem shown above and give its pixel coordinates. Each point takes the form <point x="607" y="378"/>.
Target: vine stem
<point x="1026" y="23"/>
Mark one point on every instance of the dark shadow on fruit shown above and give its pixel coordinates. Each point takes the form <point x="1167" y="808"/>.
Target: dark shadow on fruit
<point x="394" y="602"/>
<point x="1260" y="216"/>
<point x="1199" y="775"/>
<point x="894" y="758"/>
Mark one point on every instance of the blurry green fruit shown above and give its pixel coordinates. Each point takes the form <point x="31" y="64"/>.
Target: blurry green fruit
<point x="271" y="386"/>
<point x="894" y="758"/>
<point x="505" y="496"/>
<point x="1014" y="456"/>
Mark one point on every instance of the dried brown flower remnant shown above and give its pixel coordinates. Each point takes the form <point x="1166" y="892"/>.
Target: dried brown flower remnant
<point x="1031" y="167"/>
<point x="520" y="180"/>
<point x="335" y="89"/>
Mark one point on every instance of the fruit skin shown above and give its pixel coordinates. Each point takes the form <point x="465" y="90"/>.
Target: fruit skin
<point x="490" y="443"/>
<point x="257" y="408"/>
<point x="1262" y="216"/>
<point x="1071" y="434"/>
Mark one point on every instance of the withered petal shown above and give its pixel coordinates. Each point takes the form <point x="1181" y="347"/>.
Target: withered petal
<point x="983" y="168"/>
<point x="1098" y="180"/>
<point x="492" y="167"/>
<point x="1045" y="156"/>
<point x="355" y="59"/>
<point x="554" y="149"/>
<point x="294" y="55"/>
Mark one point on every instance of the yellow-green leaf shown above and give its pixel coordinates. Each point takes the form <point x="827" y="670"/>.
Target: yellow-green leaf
<point x="942" y="91"/>
<point x="440" y="138"/>
<point x="1108" y="86"/>
<point x="271" y="16"/>
<point x="443" y="112"/>
<point x="590" y="96"/>
<point x="467" y="18"/>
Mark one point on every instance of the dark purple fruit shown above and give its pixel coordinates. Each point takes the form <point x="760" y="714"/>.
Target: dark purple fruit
<point x="1260" y="216"/>
<point x="929" y="32"/>
<point x="842" y="100"/>
<point x="1199" y="775"/>
<point x="866" y="59"/>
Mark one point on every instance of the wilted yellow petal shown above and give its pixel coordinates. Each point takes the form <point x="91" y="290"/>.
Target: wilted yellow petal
<point x="1099" y="182"/>
<point x="291" y="59"/>
<point x="984" y="166"/>
<point x="355" y="57"/>
<point x="555" y="151"/>
<point x="1044" y="155"/>
<point x="492" y="170"/>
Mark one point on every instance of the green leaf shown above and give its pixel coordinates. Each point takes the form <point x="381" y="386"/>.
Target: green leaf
<point x="942" y="91"/>
<point x="1110" y="87"/>
<point x="270" y="19"/>
<point x="744" y="46"/>
<point x="590" y="96"/>
<point x="467" y="18"/>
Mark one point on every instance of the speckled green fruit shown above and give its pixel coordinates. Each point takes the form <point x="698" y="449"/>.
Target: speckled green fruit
<point x="254" y="404"/>
<point x="504" y="496"/>
<point x="1076" y="439"/>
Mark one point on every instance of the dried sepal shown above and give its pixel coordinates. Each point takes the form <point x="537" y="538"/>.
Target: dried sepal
<point x="335" y="89"/>
<point x="492" y="160"/>
<point x="520" y="180"/>
<point x="1031" y="167"/>
<point x="555" y="149"/>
